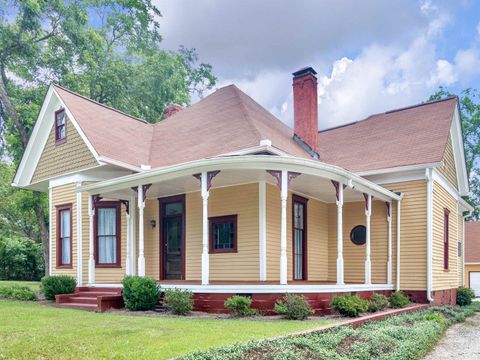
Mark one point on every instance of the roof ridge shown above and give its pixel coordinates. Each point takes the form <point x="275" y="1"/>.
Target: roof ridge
<point x="100" y="104"/>
<point x="370" y="117"/>
<point x="245" y="111"/>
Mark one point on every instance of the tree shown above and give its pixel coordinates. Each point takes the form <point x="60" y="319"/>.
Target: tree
<point x="108" y="50"/>
<point x="469" y="101"/>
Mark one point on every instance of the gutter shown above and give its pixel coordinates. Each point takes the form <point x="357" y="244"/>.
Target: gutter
<point x="429" y="177"/>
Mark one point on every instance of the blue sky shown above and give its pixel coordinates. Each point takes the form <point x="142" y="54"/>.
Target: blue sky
<point x="370" y="55"/>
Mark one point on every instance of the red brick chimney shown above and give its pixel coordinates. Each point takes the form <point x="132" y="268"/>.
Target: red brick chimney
<point x="305" y="106"/>
<point x="171" y="109"/>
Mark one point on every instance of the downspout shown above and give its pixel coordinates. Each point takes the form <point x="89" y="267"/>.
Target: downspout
<point x="429" y="177"/>
<point x="399" y="203"/>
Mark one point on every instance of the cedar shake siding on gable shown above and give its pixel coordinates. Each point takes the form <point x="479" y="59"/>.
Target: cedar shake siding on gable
<point x="448" y="168"/>
<point x="70" y="156"/>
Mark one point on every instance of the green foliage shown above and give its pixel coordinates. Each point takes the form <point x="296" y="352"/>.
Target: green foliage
<point x="57" y="284"/>
<point x="17" y="292"/>
<point x="20" y="259"/>
<point x="140" y="293"/>
<point x="399" y="300"/>
<point x="179" y="302"/>
<point x="403" y="337"/>
<point x="465" y="296"/>
<point x="377" y="302"/>
<point x="293" y="307"/>
<point x="240" y="306"/>
<point x="350" y="305"/>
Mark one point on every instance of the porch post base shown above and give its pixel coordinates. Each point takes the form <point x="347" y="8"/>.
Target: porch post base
<point x="340" y="276"/>
<point x="91" y="271"/>
<point x="141" y="266"/>
<point x="368" y="272"/>
<point x="205" y="267"/>
<point x="389" y="272"/>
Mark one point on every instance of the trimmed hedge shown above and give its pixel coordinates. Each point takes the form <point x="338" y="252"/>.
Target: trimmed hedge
<point x="140" y="293"/>
<point x="293" y="307"/>
<point x="465" y="296"/>
<point x="403" y="337"/>
<point x="350" y="305"/>
<point x="58" y="284"/>
<point x="17" y="292"/>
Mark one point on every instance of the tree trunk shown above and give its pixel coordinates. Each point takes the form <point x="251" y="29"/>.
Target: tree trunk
<point x="12" y="114"/>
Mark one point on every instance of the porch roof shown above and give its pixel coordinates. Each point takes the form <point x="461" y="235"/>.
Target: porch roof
<point x="255" y="165"/>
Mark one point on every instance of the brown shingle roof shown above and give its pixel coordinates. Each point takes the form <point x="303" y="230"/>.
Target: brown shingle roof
<point x="409" y="136"/>
<point x="472" y="241"/>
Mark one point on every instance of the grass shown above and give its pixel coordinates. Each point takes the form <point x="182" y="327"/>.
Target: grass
<point x="33" y="285"/>
<point x="403" y="337"/>
<point x="36" y="331"/>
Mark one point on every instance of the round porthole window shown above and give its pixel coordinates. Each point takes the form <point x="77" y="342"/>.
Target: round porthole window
<point x="358" y="235"/>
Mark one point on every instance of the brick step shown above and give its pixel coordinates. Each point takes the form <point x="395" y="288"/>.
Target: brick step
<point x="93" y="294"/>
<point x="81" y="299"/>
<point x="81" y="306"/>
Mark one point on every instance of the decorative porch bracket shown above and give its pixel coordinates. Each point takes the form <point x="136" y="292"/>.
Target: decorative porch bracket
<point x="339" y="196"/>
<point x="284" y="178"/>
<point x="368" y="263"/>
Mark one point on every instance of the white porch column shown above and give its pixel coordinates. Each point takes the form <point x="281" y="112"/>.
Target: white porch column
<point x="205" y="254"/>
<point x="128" y="259"/>
<point x="133" y="235"/>
<point x="283" y="234"/>
<point x="141" y="255"/>
<point x="79" y="237"/>
<point x="368" y="264"/>
<point x="389" y="261"/>
<point x="340" y="272"/>
<point x="262" y="229"/>
<point x="91" y="260"/>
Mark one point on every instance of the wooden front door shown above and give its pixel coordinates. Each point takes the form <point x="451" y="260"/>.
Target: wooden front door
<point x="172" y="238"/>
<point x="299" y="237"/>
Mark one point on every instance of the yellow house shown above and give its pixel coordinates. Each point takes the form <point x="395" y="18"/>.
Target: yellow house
<point x="222" y="198"/>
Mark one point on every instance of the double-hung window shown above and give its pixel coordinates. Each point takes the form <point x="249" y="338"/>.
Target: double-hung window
<point x="107" y="226"/>
<point x="60" y="126"/>
<point x="223" y="234"/>
<point x="64" y="235"/>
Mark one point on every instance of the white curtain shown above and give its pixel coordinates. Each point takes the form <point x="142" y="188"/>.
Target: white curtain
<point x="107" y="239"/>
<point x="65" y="235"/>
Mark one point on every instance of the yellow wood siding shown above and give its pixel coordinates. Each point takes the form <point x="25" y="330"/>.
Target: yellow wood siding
<point x="273" y="219"/>
<point x="64" y="158"/>
<point x="151" y="238"/>
<point x="469" y="268"/>
<point x="317" y="240"/>
<point x="64" y="195"/>
<point x="444" y="279"/>
<point x="448" y="168"/>
<point x="354" y="255"/>
<point x="240" y="200"/>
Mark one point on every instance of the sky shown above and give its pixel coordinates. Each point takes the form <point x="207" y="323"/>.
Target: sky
<point x="370" y="55"/>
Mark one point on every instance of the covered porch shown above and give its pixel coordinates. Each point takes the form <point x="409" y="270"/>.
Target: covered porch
<point x="263" y="224"/>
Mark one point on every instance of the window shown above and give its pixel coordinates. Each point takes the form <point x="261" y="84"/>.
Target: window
<point x="223" y="234"/>
<point x="60" y="126"/>
<point x="445" y="238"/>
<point x="358" y="235"/>
<point x="299" y="229"/>
<point x="459" y="249"/>
<point x="64" y="235"/>
<point x="108" y="237"/>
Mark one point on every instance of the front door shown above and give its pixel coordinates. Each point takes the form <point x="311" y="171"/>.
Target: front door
<point x="172" y="238"/>
<point x="299" y="243"/>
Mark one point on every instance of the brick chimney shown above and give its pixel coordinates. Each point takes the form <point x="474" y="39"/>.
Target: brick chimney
<point x="171" y="109"/>
<point x="305" y="107"/>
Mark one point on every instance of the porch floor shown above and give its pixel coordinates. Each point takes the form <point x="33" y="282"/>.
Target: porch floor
<point x="241" y="282"/>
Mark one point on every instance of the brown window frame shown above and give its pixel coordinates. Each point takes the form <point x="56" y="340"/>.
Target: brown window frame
<point x="118" y="230"/>
<point x="223" y="220"/>
<point x="304" y="202"/>
<point x="59" y="250"/>
<point x="59" y="141"/>
<point x="446" y="238"/>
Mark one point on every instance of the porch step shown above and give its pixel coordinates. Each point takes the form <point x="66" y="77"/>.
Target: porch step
<point x="92" y="299"/>
<point x="76" y="305"/>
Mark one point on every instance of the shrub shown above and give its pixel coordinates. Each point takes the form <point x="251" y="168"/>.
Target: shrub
<point x="293" y="307"/>
<point x="20" y="259"/>
<point x="377" y="302"/>
<point x="465" y="296"/>
<point x="17" y="292"/>
<point x="399" y="300"/>
<point x="58" y="284"/>
<point x="140" y="293"/>
<point x="350" y="305"/>
<point x="240" y="306"/>
<point x="179" y="302"/>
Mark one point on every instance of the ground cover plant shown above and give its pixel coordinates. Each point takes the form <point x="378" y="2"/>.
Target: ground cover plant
<point x="17" y="292"/>
<point x="30" y="330"/>
<point x="403" y="337"/>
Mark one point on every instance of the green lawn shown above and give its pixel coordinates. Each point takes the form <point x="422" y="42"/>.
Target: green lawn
<point x="35" y="331"/>
<point x="34" y="285"/>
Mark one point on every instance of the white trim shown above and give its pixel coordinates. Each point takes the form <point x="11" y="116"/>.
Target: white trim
<point x="110" y="161"/>
<point x="441" y="180"/>
<point x="133" y="233"/>
<point x="91" y="259"/>
<point x="79" y="238"/>
<point x="399" y="206"/>
<point x="141" y="232"/>
<point x="472" y="263"/>
<point x="340" y="270"/>
<point x="50" y="209"/>
<point x="429" y="176"/>
<point x="262" y="229"/>
<point x="400" y="169"/>
<point x="397" y="177"/>
<point x="252" y="162"/>
<point x="459" y="153"/>
<point x="255" y="149"/>
<point x="205" y="253"/>
<point x="389" y="246"/>
<point x="368" y="262"/>
<point x="283" y="228"/>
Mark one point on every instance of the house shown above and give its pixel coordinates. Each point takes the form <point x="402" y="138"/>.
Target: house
<point x="472" y="256"/>
<point x="222" y="198"/>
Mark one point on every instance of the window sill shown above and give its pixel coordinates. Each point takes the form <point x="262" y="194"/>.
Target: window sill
<point x="111" y="266"/>
<point x="64" y="267"/>
<point x="223" y="251"/>
<point x="60" y="142"/>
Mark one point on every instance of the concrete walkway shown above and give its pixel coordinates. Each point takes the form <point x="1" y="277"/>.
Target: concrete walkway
<point x="462" y="341"/>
